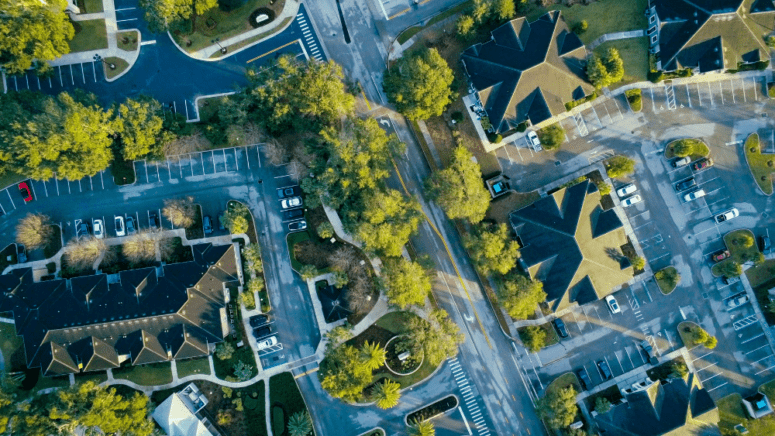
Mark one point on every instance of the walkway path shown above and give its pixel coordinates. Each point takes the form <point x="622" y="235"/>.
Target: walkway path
<point x="615" y="36"/>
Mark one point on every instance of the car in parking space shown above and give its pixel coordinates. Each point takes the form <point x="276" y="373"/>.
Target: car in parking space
<point x="120" y="229"/>
<point x="291" y="214"/>
<point x="728" y="215"/>
<point x="266" y="343"/>
<point x="683" y="185"/>
<point x="262" y="332"/>
<point x="681" y="162"/>
<point x="207" y="224"/>
<point x="153" y="221"/>
<point x="736" y="301"/>
<point x="649" y="350"/>
<point x="613" y="306"/>
<point x="605" y="371"/>
<point x="81" y="230"/>
<point x="21" y="253"/>
<point x="730" y="280"/>
<point x="559" y="325"/>
<point x="131" y="229"/>
<point x="584" y="380"/>
<point x="24" y="190"/>
<point x="99" y="228"/>
<point x="704" y="162"/>
<point x="258" y="320"/>
<point x="288" y="191"/>
<point x="629" y="201"/>
<point x="291" y="202"/>
<point x="626" y="190"/>
<point x="297" y="226"/>
<point x="720" y="255"/>
<point x="765" y="246"/>
<point x="691" y="196"/>
<point x="534" y="141"/>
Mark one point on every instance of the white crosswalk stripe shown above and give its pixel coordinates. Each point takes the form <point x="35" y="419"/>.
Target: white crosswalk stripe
<point x="476" y="414"/>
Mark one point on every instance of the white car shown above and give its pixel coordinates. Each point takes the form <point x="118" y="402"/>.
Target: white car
<point x="266" y="343"/>
<point x="694" y="195"/>
<point x="291" y="202"/>
<point x="120" y="229"/>
<point x="99" y="229"/>
<point x="626" y="190"/>
<point x="629" y="201"/>
<point x="534" y="141"/>
<point x="612" y="304"/>
<point x="720" y="218"/>
<point x="682" y="162"/>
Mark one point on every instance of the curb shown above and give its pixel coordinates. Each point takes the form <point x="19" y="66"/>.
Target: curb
<point x="135" y="55"/>
<point x="748" y="164"/>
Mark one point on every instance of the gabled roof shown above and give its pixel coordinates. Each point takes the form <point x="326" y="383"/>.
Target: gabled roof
<point x="568" y="243"/>
<point x="527" y="71"/>
<point x="94" y="354"/>
<point x="54" y="359"/>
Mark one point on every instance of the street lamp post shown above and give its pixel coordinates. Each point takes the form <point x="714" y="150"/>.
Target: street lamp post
<point x="216" y="41"/>
<point x="110" y="65"/>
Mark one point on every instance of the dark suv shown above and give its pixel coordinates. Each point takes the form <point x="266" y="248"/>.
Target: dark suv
<point x="262" y="332"/>
<point x="584" y="380"/>
<point x="605" y="371"/>
<point x="258" y="320"/>
<point x="559" y="325"/>
<point x="291" y="214"/>
<point x="685" y="184"/>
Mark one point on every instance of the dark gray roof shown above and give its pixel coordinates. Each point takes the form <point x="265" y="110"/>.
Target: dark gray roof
<point x="150" y="314"/>
<point x="527" y="71"/>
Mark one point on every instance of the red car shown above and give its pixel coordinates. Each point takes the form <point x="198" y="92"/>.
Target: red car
<point x="24" y="189"/>
<point x="721" y="255"/>
<point x="702" y="163"/>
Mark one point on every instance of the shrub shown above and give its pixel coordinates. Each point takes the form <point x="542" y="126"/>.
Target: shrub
<point x="534" y="338"/>
<point x="602" y="405"/>
<point x="521" y="127"/>
<point x="618" y="166"/>
<point x="770" y="41"/>
<point x="638" y="262"/>
<point x="580" y="27"/>
<point x="457" y="116"/>
<point x="248" y="300"/>
<point x="486" y="125"/>
<point x="497" y="139"/>
<point x="325" y="230"/>
<point x="552" y="136"/>
<point x="702" y="337"/>
<point x="729" y="269"/>
<point x="308" y="271"/>
<point x="669" y="275"/>
<point x="745" y="240"/>
<point x="604" y="188"/>
<point x="224" y="350"/>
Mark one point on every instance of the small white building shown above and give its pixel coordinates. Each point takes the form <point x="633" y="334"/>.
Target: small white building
<point x="177" y="414"/>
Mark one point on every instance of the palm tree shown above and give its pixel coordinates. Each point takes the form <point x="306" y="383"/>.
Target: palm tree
<point x="373" y="355"/>
<point x="387" y="394"/>
<point x="422" y="428"/>
<point x="300" y="424"/>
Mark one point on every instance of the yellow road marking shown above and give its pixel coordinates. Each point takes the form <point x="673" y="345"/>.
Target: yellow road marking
<point x="449" y="254"/>
<point x="364" y="95"/>
<point x="272" y="51"/>
<point x="306" y="373"/>
<point x="400" y="13"/>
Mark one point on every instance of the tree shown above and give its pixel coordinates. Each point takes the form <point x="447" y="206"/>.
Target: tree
<point x="503" y="9"/>
<point x="294" y="94"/>
<point x="534" y="338"/>
<point x="248" y="299"/>
<point x="140" y="127"/>
<point x="520" y="295"/>
<point x="618" y="166"/>
<point x="607" y="70"/>
<point x="668" y="275"/>
<point x="180" y="211"/>
<point x="492" y="249"/>
<point x="683" y="148"/>
<point x="372" y="355"/>
<point x="604" y="188"/>
<point x="82" y="254"/>
<point x="161" y="13"/>
<point x="558" y="408"/>
<point x="729" y="268"/>
<point x="480" y="11"/>
<point x="224" y="350"/>
<point x="679" y="369"/>
<point x="614" y="65"/>
<point x="337" y="335"/>
<point x="325" y="230"/>
<point x="34" y="231"/>
<point x="255" y="284"/>
<point x="420" y="85"/>
<point x="437" y="338"/>
<point x="340" y="279"/>
<point x="552" y="136"/>
<point x="638" y="262"/>
<point x="342" y="373"/>
<point x="580" y="27"/>
<point x="702" y="337"/>
<point x="422" y="428"/>
<point x="308" y="272"/>
<point x="602" y="405"/>
<point x="387" y="394"/>
<point x="459" y="188"/>
<point x="224" y="417"/>
<point x="300" y="424"/>
<point x="743" y="240"/>
<point x="140" y="247"/>
<point x="386" y="222"/>
<point x="31" y="33"/>
<point x="236" y="218"/>
<point x="406" y="282"/>
<point x="252" y="255"/>
<point x="243" y="371"/>
<point x="465" y="26"/>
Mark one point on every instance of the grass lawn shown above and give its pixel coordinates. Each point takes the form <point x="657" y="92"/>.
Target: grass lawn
<point x="146" y="375"/>
<point x="121" y="66"/>
<point x="376" y="432"/>
<point x="686" y="337"/>
<point x="739" y="254"/>
<point x="760" y="164"/>
<point x="253" y="399"/>
<point x="10" y="178"/>
<point x="634" y="53"/>
<point x="762" y="278"/>
<point x="127" y="41"/>
<point x="96" y="377"/>
<point x="193" y="366"/>
<point x="563" y="382"/>
<point x="293" y="239"/>
<point x="411" y="31"/>
<point x="252" y="39"/>
<point x="90" y="6"/>
<point x="664" y="285"/>
<point x="9" y="343"/>
<point x="89" y="35"/>
<point x="731" y="412"/>
<point x="284" y="394"/>
<point x="603" y="16"/>
<point x="55" y="245"/>
<point x="768" y="389"/>
<point x="700" y="148"/>
<point x="225" y="368"/>
<point x="612" y="394"/>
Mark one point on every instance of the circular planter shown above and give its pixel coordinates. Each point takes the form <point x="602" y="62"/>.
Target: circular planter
<point x="387" y="345"/>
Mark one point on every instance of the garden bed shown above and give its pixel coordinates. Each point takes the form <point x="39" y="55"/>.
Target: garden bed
<point x="439" y="407"/>
<point x="664" y="371"/>
<point x="762" y="279"/>
<point x="54" y="245"/>
<point x="394" y="364"/>
<point x="225" y="368"/>
<point x="738" y="253"/>
<point x="127" y="41"/>
<point x="761" y="165"/>
<point x="686" y="336"/>
<point x="665" y="285"/>
<point x="634" y="98"/>
<point x="196" y="231"/>
<point x="178" y="252"/>
<point x="121" y="66"/>
<point x="284" y="395"/>
<point x="700" y="149"/>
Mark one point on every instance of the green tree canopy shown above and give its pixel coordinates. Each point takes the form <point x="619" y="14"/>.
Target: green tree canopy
<point x="618" y="166"/>
<point x="33" y="32"/>
<point x="558" y="408"/>
<point x="236" y="218"/>
<point x="459" y="188"/>
<point x="343" y="373"/>
<point x="520" y="296"/>
<point x="534" y="338"/>
<point x="552" y="136"/>
<point x="384" y="221"/>
<point x="291" y="93"/>
<point x="34" y="231"/>
<point x="492" y="249"/>
<point x="161" y="13"/>
<point x="422" y="428"/>
<point x="180" y="211"/>
<point x="140" y="127"/>
<point x="372" y="355"/>
<point x="438" y="338"/>
<point x="420" y="85"/>
<point x="606" y="70"/>
<point x="300" y="424"/>
<point x="406" y="282"/>
<point x="387" y="394"/>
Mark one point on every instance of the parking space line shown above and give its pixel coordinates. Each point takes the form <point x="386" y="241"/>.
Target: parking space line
<point x="755" y="94"/>
<point x="91" y="183"/>
<point x="9" y="197"/>
<point x="745" y="97"/>
<point x="765" y="357"/>
<point x="102" y="181"/>
<point x="711" y="377"/>
<point x="653" y="105"/>
<point x="721" y="91"/>
<point x="706" y="367"/>
<point x="620" y="362"/>
<point x="202" y="156"/>
<point x="94" y="70"/>
<point x="169" y="171"/>
<point x="236" y="160"/>
<point x="698" y="358"/>
<point x="225" y="164"/>
<point x="757" y="349"/>
<point x="45" y="188"/>
<point x="688" y="96"/>
<point x="732" y="85"/>
<point x="699" y="94"/>
<point x="765" y="369"/>
<point x="753" y="338"/>
<point x="628" y="356"/>
<point x="713" y="389"/>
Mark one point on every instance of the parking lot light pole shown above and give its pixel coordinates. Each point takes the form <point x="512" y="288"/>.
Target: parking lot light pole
<point x="216" y="41"/>
<point x="112" y="66"/>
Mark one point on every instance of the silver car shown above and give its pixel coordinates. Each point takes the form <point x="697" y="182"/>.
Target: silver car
<point x="534" y="141"/>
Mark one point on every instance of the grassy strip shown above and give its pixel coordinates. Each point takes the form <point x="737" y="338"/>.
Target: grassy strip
<point x="562" y="382"/>
<point x="121" y="66"/>
<point x="196" y="231"/>
<point x="424" y="145"/>
<point x="293" y="239"/>
<point x="634" y="99"/>
<point x="90" y="6"/>
<point x="603" y="17"/>
<point x="130" y="36"/>
<point x="686" y="336"/>
<point x="53" y="247"/>
<point x="761" y="165"/>
<point x="251" y="40"/>
<point x="284" y="394"/>
<point x="193" y="366"/>
<point x="665" y="286"/>
<point x="700" y="148"/>
<point x="409" y="32"/>
<point x="153" y="374"/>
<point x="89" y="35"/>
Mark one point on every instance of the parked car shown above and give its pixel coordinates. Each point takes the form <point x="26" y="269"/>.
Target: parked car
<point x="286" y="192"/>
<point x="612" y="304"/>
<point x="81" y="230"/>
<point x="21" y="253"/>
<point x="153" y="221"/>
<point x="258" y="320"/>
<point x="694" y="195"/>
<point x="120" y="229"/>
<point x="207" y="224"/>
<point x="626" y="190"/>
<point x="629" y="201"/>
<point x="584" y="380"/>
<point x="650" y="355"/>
<point x="730" y="280"/>
<point x="262" y="332"/>
<point x="728" y="215"/>
<point x="705" y="162"/>
<point x="721" y="255"/>
<point x="291" y="202"/>
<point x="683" y="185"/>
<point x="559" y="325"/>
<point x="291" y="214"/>
<point x="297" y="226"/>
<point x="764" y="244"/>
<point x="605" y="371"/>
<point x="736" y="301"/>
<point x="24" y="190"/>
<point x="131" y="229"/>
<point x="534" y="141"/>
<point x="99" y="229"/>
<point x="682" y="162"/>
<point x="266" y="343"/>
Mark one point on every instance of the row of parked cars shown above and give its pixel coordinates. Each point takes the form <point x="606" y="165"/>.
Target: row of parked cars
<point x="124" y="225"/>
<point x="291" y="203"/>
<point x="263" y="331"/>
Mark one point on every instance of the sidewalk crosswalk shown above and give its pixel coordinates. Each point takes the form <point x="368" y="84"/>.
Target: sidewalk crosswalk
<point x="469" y="398"/>
<point x="308" y="39"/>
